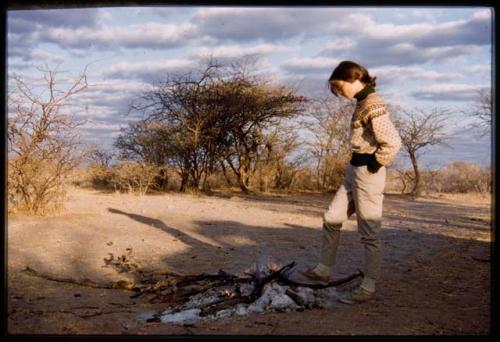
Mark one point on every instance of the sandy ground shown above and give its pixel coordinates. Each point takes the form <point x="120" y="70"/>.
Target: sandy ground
<point x="435" y="277"/>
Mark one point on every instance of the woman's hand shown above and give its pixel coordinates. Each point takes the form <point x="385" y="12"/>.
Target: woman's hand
<point x="373" y="165"/>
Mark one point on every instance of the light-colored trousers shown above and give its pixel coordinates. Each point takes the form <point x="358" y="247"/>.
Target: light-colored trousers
<point x="362" y="192"/>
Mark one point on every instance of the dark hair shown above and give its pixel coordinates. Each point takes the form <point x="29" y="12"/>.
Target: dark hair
<point x="349" y="71"/>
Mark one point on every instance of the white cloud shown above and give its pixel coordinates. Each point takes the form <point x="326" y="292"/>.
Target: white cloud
<point x="423" y="14"/>
<point x="308" y="85"/>
<point x="108" y="101"/>
<point x="118" y="87"/>
<point x="372" y="54"/>
<point x="232" y="51"/>
<point x="390" y="74"/>
<point x="18" y="64"/>
<point x="22" y="21"/>
<point x="391" y="32"/>
<point x="268" y="24"/>
<point x="147" y="35"/>
<point x="101" y="125"/>
<point x="459" y="32"/>
<point x="341" y="44"/>
<point x="482" y="14"/>
<point x="479" y="68"/>
<point x="448" y="92"/>
<point x="310" y="65"/>
<point x="379" y="44"/>
<point x="147" y="70"/>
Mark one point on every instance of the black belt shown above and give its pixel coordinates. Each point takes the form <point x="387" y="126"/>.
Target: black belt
<point x="361" y="159"/>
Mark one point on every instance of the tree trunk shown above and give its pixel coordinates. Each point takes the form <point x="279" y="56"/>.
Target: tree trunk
<point x="240" y="176"/>
<point x="402" y="178"/>
<point x="225" y="173"/>
<point x="242" y="179"/>
<point x="404" y="183"/>
<point x="417" y="191"/>
<point x="195" y="179"/>
<point x="318" y="176"/>
<point x="184" y="181"/>
<point x="204" y="184"/>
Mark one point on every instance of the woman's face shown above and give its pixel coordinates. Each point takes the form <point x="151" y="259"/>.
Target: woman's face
<point x="347" y="89"/>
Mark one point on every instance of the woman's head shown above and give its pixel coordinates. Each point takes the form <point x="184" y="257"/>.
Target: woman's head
<point x="348" y="77"/>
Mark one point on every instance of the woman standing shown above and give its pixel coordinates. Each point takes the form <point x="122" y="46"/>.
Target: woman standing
<point x="375" y="143"/>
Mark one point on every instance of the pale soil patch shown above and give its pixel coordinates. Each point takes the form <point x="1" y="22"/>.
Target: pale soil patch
<point x="436" y="268"/>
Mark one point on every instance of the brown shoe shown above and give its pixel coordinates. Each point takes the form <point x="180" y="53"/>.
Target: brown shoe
<point x="311" y="275"/>
<point x="358" y="295"/>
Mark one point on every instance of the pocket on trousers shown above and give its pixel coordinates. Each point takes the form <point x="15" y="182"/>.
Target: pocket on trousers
<point x="370" y="182"/>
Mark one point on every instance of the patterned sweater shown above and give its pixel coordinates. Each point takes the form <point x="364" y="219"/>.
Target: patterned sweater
<point x="372" y="130"/>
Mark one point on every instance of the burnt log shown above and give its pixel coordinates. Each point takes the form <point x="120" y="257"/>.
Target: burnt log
<point x="260" y="282"/>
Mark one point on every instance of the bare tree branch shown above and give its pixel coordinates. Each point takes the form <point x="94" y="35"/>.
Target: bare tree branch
<point x="421" y="128"/>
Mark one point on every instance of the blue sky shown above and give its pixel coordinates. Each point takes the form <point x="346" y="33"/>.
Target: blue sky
<point x="423" y="56"/>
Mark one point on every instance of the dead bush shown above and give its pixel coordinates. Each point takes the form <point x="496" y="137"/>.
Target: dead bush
<point x="459" y="177"/>
<point x="132" y="177"/>
<point x="101" y="177"/>
<point x="456" y="177"/>
<point x="303" y="180"/>
<point x="34" y="186"/>
<point x="42" y="143"/>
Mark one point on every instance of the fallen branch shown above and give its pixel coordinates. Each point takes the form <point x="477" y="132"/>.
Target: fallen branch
<point x="121" y="284"/>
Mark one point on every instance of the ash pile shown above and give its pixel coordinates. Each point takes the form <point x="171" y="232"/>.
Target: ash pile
<point x="265" y="288"/>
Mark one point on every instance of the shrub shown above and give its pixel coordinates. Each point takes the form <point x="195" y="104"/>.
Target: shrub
<point x="34" y="186"/>
<point x="43" y="146"/>
<point x="131" y="177"/>
<point x="460" y="177"/>
<point x="138" y="178"/>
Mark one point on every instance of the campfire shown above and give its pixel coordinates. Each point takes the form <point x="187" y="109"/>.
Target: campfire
<point x="266" y="287"/>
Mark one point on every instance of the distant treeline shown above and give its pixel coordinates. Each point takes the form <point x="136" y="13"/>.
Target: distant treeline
<point x="224" y="125"/>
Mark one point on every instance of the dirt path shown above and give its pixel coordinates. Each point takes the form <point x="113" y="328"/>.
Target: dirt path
<point x="436" y="267"/>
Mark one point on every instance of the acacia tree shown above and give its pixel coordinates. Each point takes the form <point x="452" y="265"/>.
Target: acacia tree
<point x="481" y="111"/>
<point x="259" y="107"/>
<point x="420" y="128"/>
<point x="215" y="117"/>
<point x="177" y="108"/>
<point x="42" y="140"/>
<point x="328" y="122"/>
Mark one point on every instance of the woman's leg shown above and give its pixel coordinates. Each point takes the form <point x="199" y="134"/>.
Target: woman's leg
<point x="340" y="209"/>
<point x="368" y="195"/>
